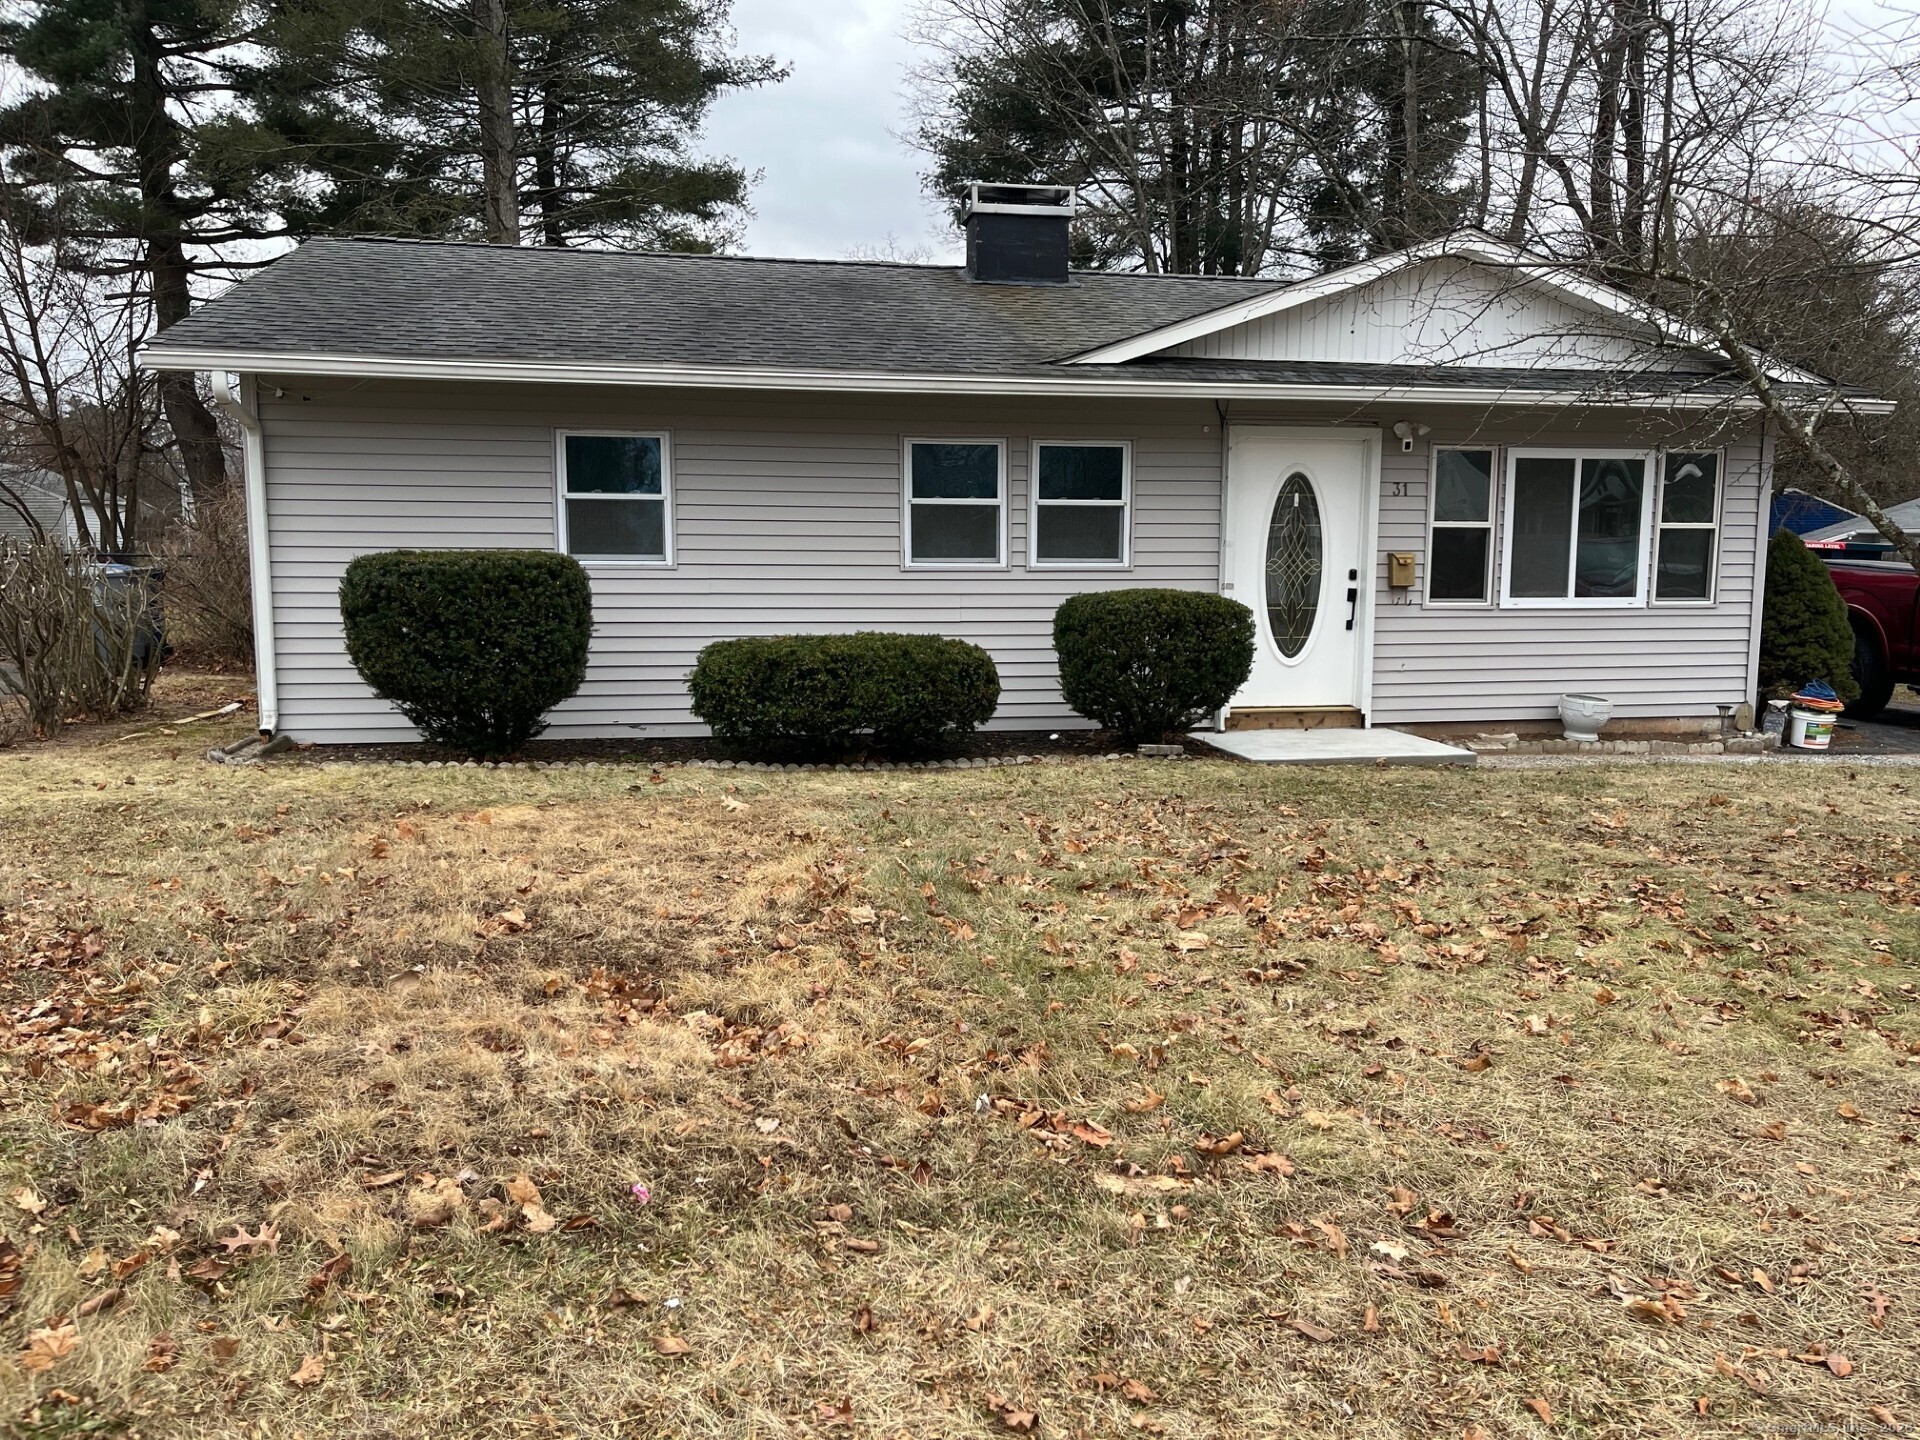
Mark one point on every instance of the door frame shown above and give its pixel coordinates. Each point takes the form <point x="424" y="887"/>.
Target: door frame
<point x="1367" y="439"/>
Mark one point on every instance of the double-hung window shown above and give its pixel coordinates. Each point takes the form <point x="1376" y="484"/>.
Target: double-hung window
<point x="1689" y="519"/>
<point x="1460" y="536"/>
<point x="614" y="498"/>
<point x="1082" y="493"/>
<point x="956" y="502"/>
<point x="1576" y="523"/>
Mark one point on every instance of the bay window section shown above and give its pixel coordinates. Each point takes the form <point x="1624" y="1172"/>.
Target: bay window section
<point x="1576" y="528"/>
<point x="1689" y="520"/>
<point x="614" y="498"/>
<point x="956" y="502"/>
<point x="1081" y="496"/>
<point x="1460" y="532"/>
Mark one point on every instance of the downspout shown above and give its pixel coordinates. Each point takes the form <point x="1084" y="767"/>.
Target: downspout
<point x="237" y="395"/>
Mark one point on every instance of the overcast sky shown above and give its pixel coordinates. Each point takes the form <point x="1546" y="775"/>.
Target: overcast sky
<point x="836" y="178"/>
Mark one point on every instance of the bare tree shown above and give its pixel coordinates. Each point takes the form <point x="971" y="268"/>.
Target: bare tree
<point x="72" y="401"/>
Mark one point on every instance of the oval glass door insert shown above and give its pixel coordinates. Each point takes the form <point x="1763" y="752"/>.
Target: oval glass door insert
<point x="1294" y="559"/>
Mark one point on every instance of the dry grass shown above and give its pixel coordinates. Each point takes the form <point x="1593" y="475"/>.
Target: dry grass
<point x="1490" y="1021"/>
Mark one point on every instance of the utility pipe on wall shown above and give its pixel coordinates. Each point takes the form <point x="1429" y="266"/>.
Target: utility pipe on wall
<point x="237" y="395"/>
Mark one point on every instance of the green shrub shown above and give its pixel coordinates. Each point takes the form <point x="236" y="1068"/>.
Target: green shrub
<point x="1146" y="662"/>
<point x="473" y="646"/>
<point x="830" y="694"/>
<point x="1804" y="631"/>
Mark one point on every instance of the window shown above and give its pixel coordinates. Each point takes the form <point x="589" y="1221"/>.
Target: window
<point x="1689" y="517"/>
<point x="613" y="498"/>
<point x="956" y="501"/>
<point x="1576" y="526"/>
<point x="1081" y="494"/>
<point x="1460" y="540"/>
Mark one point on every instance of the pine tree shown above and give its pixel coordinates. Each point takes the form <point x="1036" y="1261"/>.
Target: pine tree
<point x="1209" y="136"/>
<point x="129" y="153"/>
<point x="1804" y="631"/>
<point x="563" y="121"/>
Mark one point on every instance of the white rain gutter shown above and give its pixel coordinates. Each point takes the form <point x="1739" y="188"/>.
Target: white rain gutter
<point x="237" y="395"/>
<point x="160" y="357"/>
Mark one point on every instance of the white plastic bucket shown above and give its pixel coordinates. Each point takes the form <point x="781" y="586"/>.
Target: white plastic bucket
<point x="1809" y="729"/>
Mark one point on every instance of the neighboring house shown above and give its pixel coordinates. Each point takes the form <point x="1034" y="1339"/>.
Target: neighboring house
<point x="1452" y="483"/>
<point x="1796" y="510"/>
<point x="1857" y="527"/>
<point x="34" y="503"/>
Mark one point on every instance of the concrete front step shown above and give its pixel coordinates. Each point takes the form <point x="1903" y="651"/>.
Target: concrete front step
<point x="1334" y="747"/>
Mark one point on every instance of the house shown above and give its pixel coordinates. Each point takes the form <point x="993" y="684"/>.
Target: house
<point x="1794" y="509"/>
<point x="34" y="503"/>
<point x="1452" y="483"/>
<point x="1857" y="528"/>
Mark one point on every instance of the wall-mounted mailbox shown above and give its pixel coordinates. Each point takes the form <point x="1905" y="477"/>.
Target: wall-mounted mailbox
<point x="1400" y="569"/>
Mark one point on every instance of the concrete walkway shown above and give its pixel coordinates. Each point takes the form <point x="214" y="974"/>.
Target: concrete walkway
<point x="1334" y="747"/>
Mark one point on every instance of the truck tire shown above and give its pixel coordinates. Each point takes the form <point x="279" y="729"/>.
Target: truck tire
<point x="1871" y="674"/>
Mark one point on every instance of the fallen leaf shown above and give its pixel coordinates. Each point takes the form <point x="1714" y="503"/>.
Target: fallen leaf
<point x="312" y="1371"/>
<point x="1474" y="1064"/>
<point x="1272" y="1162"/>
<point x="1219" y="1146"/>
<point x="981" y="1319"/>
<point x="377" y="1182"/>
<point x="1151" y="1101"/>
<point x="1604" y="996"/>
<point x="1011" y="1415"/>
<point x="47" y="1346"/>
<point x="1839" y="1364"/>
<point x="1541" y="1408"/>
<point x="163" y="1352"/>
<point x="224" y="1347"/>
<point x="1763" y="1280"/>
<point x="1850" y="1112"/>
<point x="1403" y="1200"/>
<point x="1318" y="1119"/>
<point x="28" y="1199"/>
<point x="1336" y="1237"/>
<point x="1311" y="1330"/>
<point x="1137" y="1391"/>
<point x="1734" y="1088"/>
<point x="105" y="1300"/>
<point x="1519" y="1262"/>
<point x="671" y="1344"/>
<point x="1643" y="1309"/>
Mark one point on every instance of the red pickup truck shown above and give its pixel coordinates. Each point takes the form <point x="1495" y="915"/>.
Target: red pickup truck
<point x="1883" y="601"/>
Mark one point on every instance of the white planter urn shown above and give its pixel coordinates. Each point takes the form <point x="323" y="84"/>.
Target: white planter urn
<point x="1583" y="715"/>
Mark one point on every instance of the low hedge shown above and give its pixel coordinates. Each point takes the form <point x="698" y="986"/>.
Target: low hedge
<point x="473" y="646"/>
<point x="1147" y="662"/>
<point x="832" y="694"/>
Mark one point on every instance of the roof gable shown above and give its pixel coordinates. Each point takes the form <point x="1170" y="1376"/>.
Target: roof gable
<point x="1465" y="299"/>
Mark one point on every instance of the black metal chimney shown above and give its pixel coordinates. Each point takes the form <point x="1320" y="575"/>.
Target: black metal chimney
<point x="1017" y="234"/>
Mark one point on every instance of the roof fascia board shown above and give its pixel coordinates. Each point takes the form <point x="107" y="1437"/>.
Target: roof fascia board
<point x="1483" y="249"/>
<point x="160" y="357"/>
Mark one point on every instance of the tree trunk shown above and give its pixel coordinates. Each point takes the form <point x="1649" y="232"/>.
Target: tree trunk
<point x="1633" y="137"/>
<point x="157" y="150"/>
<point x="1601" y="221"/>
<point x="499" y="158"/>
<point x="546" y="168"/>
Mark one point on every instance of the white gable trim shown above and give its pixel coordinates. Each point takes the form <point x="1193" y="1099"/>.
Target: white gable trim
<point x="1465" y="245"/>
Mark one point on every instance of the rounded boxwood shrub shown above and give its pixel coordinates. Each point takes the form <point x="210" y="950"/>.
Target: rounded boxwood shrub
<point x="1804" y="630"/>
<point x="473" y="646"/>
<point x="1146" y="662"/>
<point x="831" y="694"/>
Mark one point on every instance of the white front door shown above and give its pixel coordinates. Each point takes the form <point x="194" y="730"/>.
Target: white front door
<point x="1295" y="553"/>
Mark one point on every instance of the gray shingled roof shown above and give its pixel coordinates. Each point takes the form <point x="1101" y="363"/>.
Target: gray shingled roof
<point x="463" y="301"/>
<point x="1600" y="385"/>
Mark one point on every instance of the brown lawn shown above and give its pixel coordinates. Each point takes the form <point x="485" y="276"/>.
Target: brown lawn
<point x="1094" y="1099"/>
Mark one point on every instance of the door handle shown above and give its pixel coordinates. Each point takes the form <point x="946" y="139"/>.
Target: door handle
<point x="1353" y="598"/>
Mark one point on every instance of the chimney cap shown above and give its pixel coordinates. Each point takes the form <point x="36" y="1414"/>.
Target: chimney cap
<point x="987" y="198"/>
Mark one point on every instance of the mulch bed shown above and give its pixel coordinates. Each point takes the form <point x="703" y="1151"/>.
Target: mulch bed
<point x="980" y="745"/>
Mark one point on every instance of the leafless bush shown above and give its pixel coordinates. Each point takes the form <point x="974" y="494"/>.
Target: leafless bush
<point x="207" y="587"/>
<point x="76" y="640"/>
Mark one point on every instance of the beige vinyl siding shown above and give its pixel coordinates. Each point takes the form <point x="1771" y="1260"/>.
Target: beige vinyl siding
<point x="786" y="512"/>
<point x="787" y="518"/>
<point x="1456" y="662"/>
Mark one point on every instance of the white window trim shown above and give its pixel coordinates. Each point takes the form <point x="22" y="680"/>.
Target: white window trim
<point x="1491" y="525"/>
<point x="1125" y="562"/>
<point x="1642" y="582"/>
<point x="1719" y="511"/>
<point x="907" y="502"/>
<point x="665" y="496"/>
